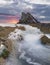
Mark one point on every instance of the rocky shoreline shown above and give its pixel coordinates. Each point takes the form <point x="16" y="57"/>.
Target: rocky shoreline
<point x="8" y="48"/>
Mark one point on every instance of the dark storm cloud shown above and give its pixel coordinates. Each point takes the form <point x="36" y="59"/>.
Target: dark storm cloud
<point x="42" y="12"/>
<point x="15" y="7"/>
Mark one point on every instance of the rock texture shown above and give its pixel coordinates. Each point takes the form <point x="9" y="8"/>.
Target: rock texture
<point x="8" y="48"/>
<point x="27" y="18"/>
<point x="7" y="43"/>
<point x="45" y="40"/>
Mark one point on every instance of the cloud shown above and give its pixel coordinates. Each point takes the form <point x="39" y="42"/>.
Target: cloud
<point x="5" y="2"/>
<point x="39" y="8"/>
<point x="14" y="6"/>
<point x="39" y="1"/>
<point x="41" y="12"/>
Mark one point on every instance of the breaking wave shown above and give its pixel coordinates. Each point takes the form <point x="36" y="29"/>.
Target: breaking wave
<point x="29" y="48"/>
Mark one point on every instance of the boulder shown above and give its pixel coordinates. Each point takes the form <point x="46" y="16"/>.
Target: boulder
<point x="45" y="40"/>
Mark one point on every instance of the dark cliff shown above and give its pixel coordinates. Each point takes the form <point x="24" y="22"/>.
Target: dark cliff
<point x="27" y="18"/>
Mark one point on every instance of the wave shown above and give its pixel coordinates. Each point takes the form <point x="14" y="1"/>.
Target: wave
<point x="30" y="48"/>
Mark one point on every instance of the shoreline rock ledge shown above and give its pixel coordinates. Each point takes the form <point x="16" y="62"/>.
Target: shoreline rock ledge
<point x="7" y="43"/>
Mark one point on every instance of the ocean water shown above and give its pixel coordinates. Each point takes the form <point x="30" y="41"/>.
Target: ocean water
<point x="29" y="50"/>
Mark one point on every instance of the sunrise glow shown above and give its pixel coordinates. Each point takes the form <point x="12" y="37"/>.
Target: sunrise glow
<point x="9" y="19"/>
<point x="12" y="21"/>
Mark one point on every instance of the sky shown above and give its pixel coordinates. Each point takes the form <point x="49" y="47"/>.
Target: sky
<point x="10" y="10"/>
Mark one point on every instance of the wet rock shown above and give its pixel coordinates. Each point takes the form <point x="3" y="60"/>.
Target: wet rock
<point x="20" y="37"/>
<point x="21" y="28"/>
<point x="45" y="40"/>
<point x="8" y="47"/>
<point x="2" y="39"/>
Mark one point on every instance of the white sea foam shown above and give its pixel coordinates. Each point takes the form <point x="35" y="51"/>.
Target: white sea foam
<point x="30" y="48"/>
<point x="7" y="24"/>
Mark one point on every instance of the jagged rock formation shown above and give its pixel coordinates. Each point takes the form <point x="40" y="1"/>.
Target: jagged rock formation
<point x="27" y="18"/>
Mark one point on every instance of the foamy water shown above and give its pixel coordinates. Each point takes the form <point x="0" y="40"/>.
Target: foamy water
<point x="30" y="48"/>
<point x="7" y="24"/>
